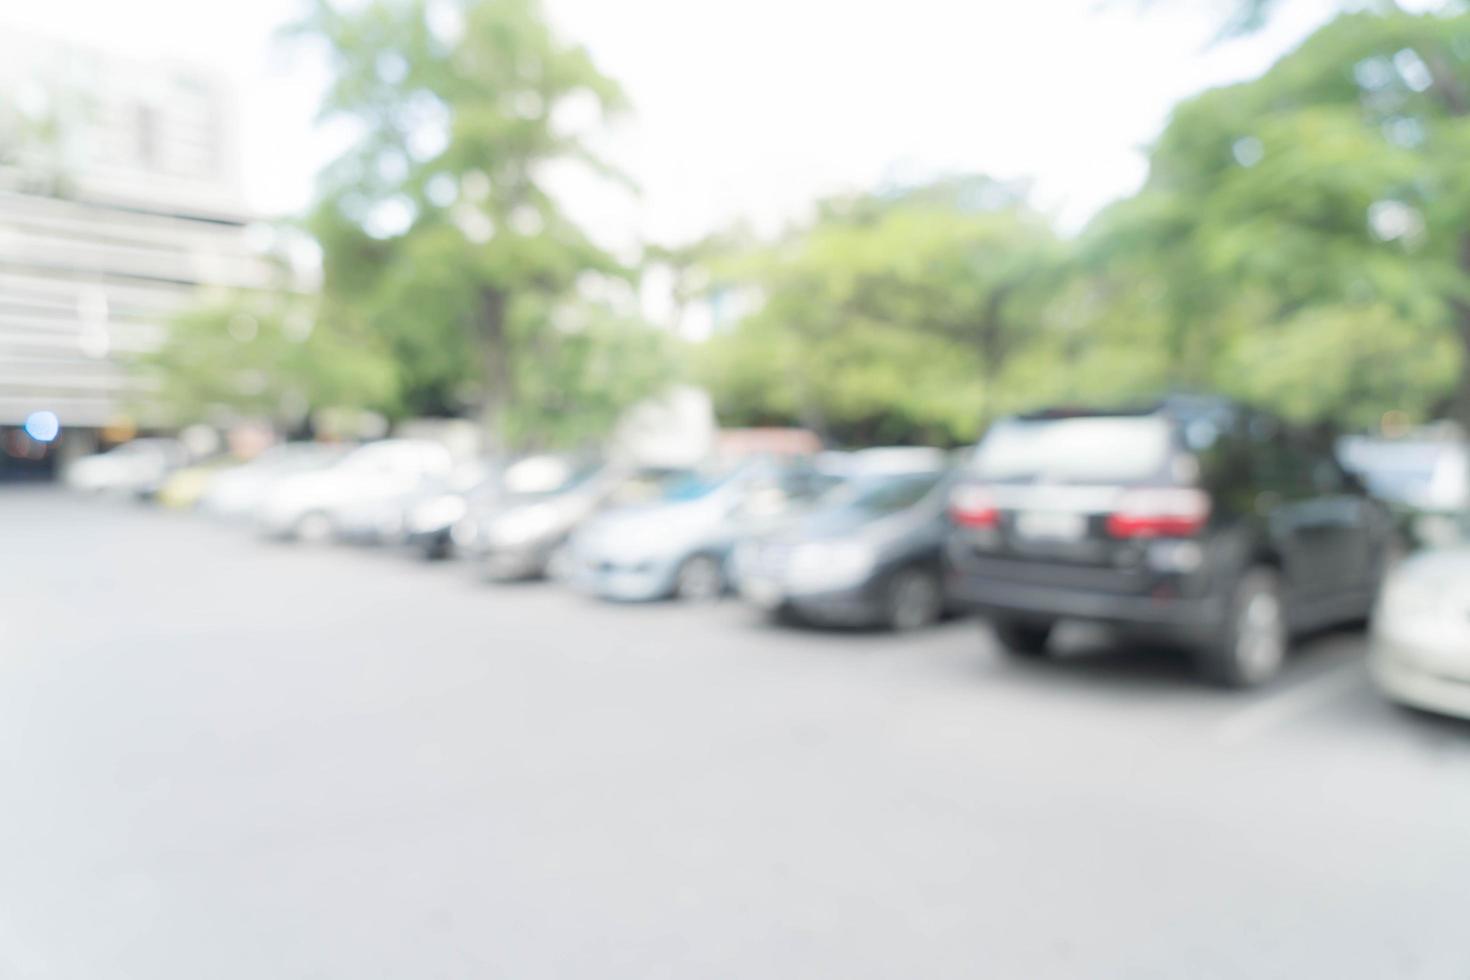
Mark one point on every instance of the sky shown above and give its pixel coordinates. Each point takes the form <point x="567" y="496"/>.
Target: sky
<point x="750" y="111"/>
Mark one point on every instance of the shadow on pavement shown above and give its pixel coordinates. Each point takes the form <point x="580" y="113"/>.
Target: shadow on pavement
<point x="1087" y="655"/>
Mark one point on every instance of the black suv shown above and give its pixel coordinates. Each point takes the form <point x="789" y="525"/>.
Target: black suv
<point x="1196" y="521"/>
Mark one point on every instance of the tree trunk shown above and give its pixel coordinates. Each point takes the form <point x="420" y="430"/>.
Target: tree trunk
<point x="495" y="352"/>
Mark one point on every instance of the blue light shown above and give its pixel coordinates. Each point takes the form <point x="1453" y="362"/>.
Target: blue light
<point x="43" y="426"/>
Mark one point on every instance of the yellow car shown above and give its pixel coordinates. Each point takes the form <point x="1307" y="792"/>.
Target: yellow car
<point x="184" y="488"/>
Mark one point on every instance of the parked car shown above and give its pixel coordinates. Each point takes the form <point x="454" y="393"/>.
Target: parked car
<point x="138" y="467"/>
<point x="1420" y="645"/>
<point x="312" y="506"/>
<point x="1425" y="481"/>
<point x="1194" y="520"/>
<point x="519" y="532"/>
<point x="869" y="552"/>
<point x="679" y="546"/>
<point x="185" y="487"/>
<point x="237" y="493"/>
<point x="429" y="515"/>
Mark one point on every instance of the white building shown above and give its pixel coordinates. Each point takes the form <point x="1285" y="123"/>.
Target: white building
<point x="120" y="202"/>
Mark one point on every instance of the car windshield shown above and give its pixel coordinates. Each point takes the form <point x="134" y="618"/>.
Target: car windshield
<point x="877" y="496"/>
<point x="538" y="479"/>
<point x="697" y="485"/>
<point x="645" y="486"/>
<point x="1085" y="449"/>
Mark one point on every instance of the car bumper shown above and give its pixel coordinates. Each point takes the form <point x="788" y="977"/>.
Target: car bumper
<point x="429" y="540"/>
<point x="643" y="582"/>
<point x="1169" y="612"/>
<point x="851" y="604"/>
<point x="514" y="564"/>
<point x="1402" y="673"/>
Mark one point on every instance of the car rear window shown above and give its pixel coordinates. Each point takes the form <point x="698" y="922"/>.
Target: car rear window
<point x="877" y="496"/>
<point x="1087" y="449"/>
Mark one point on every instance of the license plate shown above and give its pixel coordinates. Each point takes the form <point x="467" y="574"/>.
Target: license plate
<point x="762" y="592"/>
<point x="1048" y="526"/>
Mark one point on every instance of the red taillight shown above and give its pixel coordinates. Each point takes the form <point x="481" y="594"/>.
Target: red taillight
<point x="1163" y="512"/>
<point x="973" y="507"/>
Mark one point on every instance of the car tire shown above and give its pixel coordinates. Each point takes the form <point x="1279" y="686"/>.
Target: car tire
<point x="699" y="579"/>
<point x="912" y="599"/>
<point x="1023" y="637"/>
<point x="1254" y="640"/>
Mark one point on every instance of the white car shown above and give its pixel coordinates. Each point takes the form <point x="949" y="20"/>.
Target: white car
<point x="1420" y="646"/>
<point x="311" y="506"/>
<point x="1430" y="475"/>
<point x="138" y="467"/>
<point x="236" y="493"/>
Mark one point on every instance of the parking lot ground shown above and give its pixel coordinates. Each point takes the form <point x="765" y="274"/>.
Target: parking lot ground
<point x="226" y="758"/>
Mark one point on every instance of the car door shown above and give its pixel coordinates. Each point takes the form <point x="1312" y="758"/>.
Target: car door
<point x="1285" y="502"/>
<point x="1360" y="527"/>
<point x="1324" y="524"/>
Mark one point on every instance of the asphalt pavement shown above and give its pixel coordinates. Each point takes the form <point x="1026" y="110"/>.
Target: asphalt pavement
<point x="226" y="758"/>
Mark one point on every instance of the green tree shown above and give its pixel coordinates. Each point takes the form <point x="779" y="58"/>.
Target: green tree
<point x="1284" y="216"/>
<point x="437" y="225"/>
<point x="895" y="316"/>
<point x="265" y="355"/>
<point x="593" y="367"/>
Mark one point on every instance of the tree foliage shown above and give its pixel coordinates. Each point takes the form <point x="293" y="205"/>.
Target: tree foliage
<point x="1302" y="240"/>
<point x="271" y="356"/>
<point x="1320" y="213"/>
<point x="894" y="316"/>
<point x="446" y="258"/>
<point x="438" y="224"/>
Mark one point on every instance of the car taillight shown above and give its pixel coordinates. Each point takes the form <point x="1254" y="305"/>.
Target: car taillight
<point x="973" y="506"/>
<point x="1161" y="512"/>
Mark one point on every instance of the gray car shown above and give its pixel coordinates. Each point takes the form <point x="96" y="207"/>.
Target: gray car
<point x="869" y="553"/>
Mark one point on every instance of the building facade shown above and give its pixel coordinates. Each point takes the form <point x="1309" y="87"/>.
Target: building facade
<point x="120" y="205"/>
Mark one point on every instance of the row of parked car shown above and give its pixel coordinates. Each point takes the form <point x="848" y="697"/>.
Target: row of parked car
<point x="1195" y="521"/>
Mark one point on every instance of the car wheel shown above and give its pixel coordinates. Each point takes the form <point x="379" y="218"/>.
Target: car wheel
<point x="1253" y="643"/>
<point x="1027" y="638"/>
<point x="314" y="528"/>
<point x="699" y="579"/>
<point x="913" y="599"/>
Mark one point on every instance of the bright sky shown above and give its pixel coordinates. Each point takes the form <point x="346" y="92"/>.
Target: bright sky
<point x="752" y="109"/>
